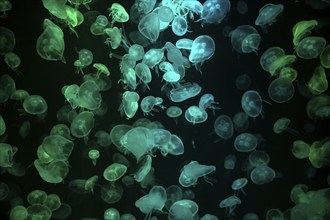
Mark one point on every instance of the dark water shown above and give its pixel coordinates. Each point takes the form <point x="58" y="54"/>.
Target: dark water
<point x="46" y="78"/>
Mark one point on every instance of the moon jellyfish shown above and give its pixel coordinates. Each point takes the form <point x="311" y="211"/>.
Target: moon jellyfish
<point x="53" y="172"/>
<point x="82" y="124"/>
<point x="202" y="49"/>
<point x="174" y="146"/>
<point x="310" y="47"/>
<point x="174" y="112"/>
<point x="18" y="212"/>
<point x="258" y="158"/>
<point x="274" y="214"/>
<point x="325" y="57"/>
<point x="118" y="14"/>
<point x="165" y="14"/>
<point x="207" y="101"/>
<point x="318" y="107"/>
<point x="35" y="105"/>
<point x="239" y="184"/>
<point x="149" y="26"/>
<point x="114" y="172"/>
<point x="300" y="149"/>
<point x="179" y="26"/>
<point x="281" y="125"/>
<point x="281" y="90"/>
<point x="223" y="127"/>
<point x="230" y="204"/>
<point x="111" y="214"/>
<point x="245" y="142"/>
<point x="113" y="37"/>
<point x="93" y="154"/>
<point x="183" y="209"/>
<point x="302" y="29"/>
<point x="318" y="83"/>
<point x="13" y="61"/>
<point x="268" y="15"/>
<point x="149" y="103"/>
<point x="192" y="171"/>
<point x="2" y="125"/>
<point x="250" y="216"/>
<point x="184" y="43"/>
<point x="184" y="92"/>
<point x="214" y="11"/>
<point x="7" y="87"/>
<point x="136" y="52"/>
<point x="262" y="174"/>
<point x="7" y="40"/>
<point x="251" y="103"/>
<point x="245" y="39"/>
<point x="111" y="192"/>
<point x="242" y="7"/>
<point x="129" y="104"/>
<point x="241" y="121"/>
<point x="230" y="162"/>
<point x="269" y="56"/>
<point x="195" y="115"/>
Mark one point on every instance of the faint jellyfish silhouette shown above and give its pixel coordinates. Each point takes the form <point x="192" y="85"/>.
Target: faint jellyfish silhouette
<point x="281" y="90"/>
<point x="262" y="174"/>
<point x="245" y="39"/>
<point x="230" y="204"/>
<point x="149" y="26"/>
<point x="230" y="162"/>
<point x="174" y="112"/>
<point x="243" y="82"/>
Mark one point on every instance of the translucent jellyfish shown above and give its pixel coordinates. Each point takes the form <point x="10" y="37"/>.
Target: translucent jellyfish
<point x="111" y="214"/>
<point x="111" y="192"/>
<point x="184" y="91"/>
<point x="25" y="129"/>
<point x="93" y="154"/>
<point x="174" y="55"/>
<point x="251" y="103"/>
<point x="319" y="153"/>
<point x="243" y="82"/>
<point x="113" y="37"/>
<point x="37" y="210"/>
<point x="269" y="56"/>
<point x="207" y="101"/>
<point x="127" y="216"/>
<point x="53" y="172"/>
<point x="57" y="147"/>
<point x="239" y="184"/>
<point x="143" y="72"/>
<point x="318" y="107"/>
<point x="245" y="39"/>
<point x="86" y="57"/>
<point x="144" y="168"/>
<point x="192" y="171"/>
<point x="89" y="96"/>
<point x="325" y="57"/>
<point x="230" y="162"/>
<point x="90" y="183"/>
<point x="300" y="149"/>
<point x="281" y="62"/>
<point x="13" y="61"/>
<point x="153" y="57"/>
<point x="7" y="40"/>
<point x="184" y="43"/>
<point x="82" y="124"/>
<point x="102" y="20"/>
<point x="268" y="15"/>
<point x="179" y="26"/>
<point x="174" y="112"/>
<point x="302" y="29"/>
<point x="114" y="172"/>
<point x="274" y="214"/>
<point x="19" y="95"/>
<point x="101" y="68"/>
<point x="202" y="49"/>
<point x="50" y="44"/>
<point x="298" y="194"/>
<point x="4" y="191"/>
<point x="241" y="121"/>
<point x="136" y="52"/>
<point x="5" y="5"/>
<point x="282" y="124"/>
<point x="35" y="105"/>
<point x="318" y="83"/>
<point x="118" y="14"/>
<point x="153" y="201"/>
<point x="183" y="209"/>
<point x="245" y="142"/>
<point x="53" y="202"/>
<point x="258" y="158"/>
<point x="242" y="7"/>
<point x="195" y="115"/>
<point x="230" y="204"/>
<point x="171" y="77"/>
<point x="310" y="47"/>
<point x="2" y="125"/>
<point x="223" y="127"/>
<point x="7" y="87"/>
<point x="103" y="138"/>
<point x="129" y="104"/>
<point x="214" y="11"/>
<point x="18" y="212"/>
<point x="149" y="26"/>
<point x="77" y="3"/>
<point x="174" y="146"/>
<point x="262" y="174"/>
<point x="288" y="72"/>
<point x="209" y="217"/>
<point x="281" y="90"/>
<point x="165" y="14"/>
<point x="117" y="132"/>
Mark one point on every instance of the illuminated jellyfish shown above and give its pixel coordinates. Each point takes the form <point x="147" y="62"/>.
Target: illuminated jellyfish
<point x="90" y="183"/>
<point x="268" y="15"/>
<point x="184" y="43"/>
<point x="143" y="169"/>
<point x="325" y="57"/>
<point x="56" y="8"/>
<point x="7" y="40"/>
<point x="281" y="90"/>
<point x="35" y="105"/>
<point x="71" y="95"/>
<point x="318" y="107"/>
<point x="103" y="138"/>
<point x="63" y="212"/>
<point x="143" y="72"/>
<point x="153" y="201"/>
<point x="89" y="96"/>
<point x="128" y="78"/>
<point x="82" y="124"/>
<point x="53" y="202"/>
<point x="18" y="212"/>
<point x="7" y="87"/>
<point x="5" y="5"/>
<point x="245" y="142"/>
<point x="111" y="214"/>
<point x="241" y="121"/>
<point x="223" y="127"/>
<point x="127" y="216"/>
<point x="39" y="211"/>
<point x="280" y="63"/>
<point x="129" y="104"/>
<point x="165" y="14"/>
<point x="101" y="68"/>
<point x="262" y="174"/>
<point x="137" y="141"/>
<point x="318" y="83"/>
<point x="202" y="49"/>
<point x="192" y="171"/>
<point x="251" y="103"/>
<point x="320" y="153"/>
<point x="282" y="124"/>
<point x="179" y="26"/>
<point x="171" y="77"/>
<point x="113" y="37"/>
<point x="207" y="102"/>
<point x="2" y="125"/>
<point x="111" y="192"/>
<point x="85" y="59"/>
<point x="7" y="153"/>
<point x="117" y="132"/>
<point x="53" y="172"/>
<point x="19" y="95"/>
<point x="258" y="158"/>
<point x="13" y="61"/>
<point x="302" y="29"/>
<point x="114" y="172"/>
<point x="214" y="11"/>
<point x="102" y="20"/>
<point x="230" y="204"/>
<point x="153" y="57"/>
<point x="298" y="194"/>
<point x="242" y="7"/>
<point x="209" y="217"/>
<point x="310" y="47"/>
<point x="74" y="18"/>
<point x="245" y="39"/>
<point x="96" y="29"/>
<point x="174" y="55"/>
<point x="77" y="3"/>
<point x="174" y="112"/>
<point x="195" y="115"/>
<point x="93" y="154"/>
<point x="183" y="209"/>
<point x="149" y="103"/>
<point x="288" y="72"/>
<point x="239" y="184"/>
<point x="184" y="91"/>
<point x="50" y="44"/>
<point x="118" y="14"/>
<point x="136" y="52"/>
<point x="243" y="82"/>
<point x="57" y="147"/>
<point x="269" y="56"/>
<point x="300" y="149"/>
<point x="174" y="146"/>
<point x="250" y="216"/>
<point x="149" y="26"/>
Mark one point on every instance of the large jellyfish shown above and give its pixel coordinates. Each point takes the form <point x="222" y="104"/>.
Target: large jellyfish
<point x="149" y="26"/>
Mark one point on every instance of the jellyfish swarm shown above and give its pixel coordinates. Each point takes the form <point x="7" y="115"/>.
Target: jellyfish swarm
<point x="192" y="171"/>
<point x="230" y="204"/>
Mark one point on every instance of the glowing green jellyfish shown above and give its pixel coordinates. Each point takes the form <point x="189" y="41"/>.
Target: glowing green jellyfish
<point x="90" y="183"/>
<point x="318" y="83"/>
<point x="94" y="154"/>
<point x="300" y="149"/>
<point x="101" y="68"/>
<point x="118" y="14"/>
<point x="281" y="125"/>
<point x="2" y="125"/>
<point x="320" y="153"/>
<point x="77" y="3"/>
<point x="53" y="202"/>
<point x="302" y="29"/>
<point x="114" y="172"/>
<point x="36" y="197"/>
<point x="288" y="72"/>
<point x="318" y="107"/>
<point x="5" y="5"/>
<point x="13" y="61"/>
<point x="325" y="57"/>
<point x="111" y="214"/>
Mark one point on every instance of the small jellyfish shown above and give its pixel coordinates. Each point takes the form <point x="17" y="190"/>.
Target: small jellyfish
<point x="230" y="204"/>
<point x="129" y="104"/>
<point x="111" y="192"/>
<point x="118" y="14"/>
<point x="101" y="68"/>
<point x="93" y="154"/>
<point x="214" y="11"/>
<point x="207" y="101"/>
<point x="243" y="82"/>
<point x="302" y="29"/>
<point x="239" y="184"/>
<point x="251" y="103"/>
<point x="195" y="115"/>
<point x="282" y="124"/>
<point x="258" y="158"/>
<point x="245" y="39"/>
<point x="281" y="90"/>
<point x="223" y="127"/>
<point x="192" y="171"/>
<point x="230" y="162"/>
<point x="13" y="61"/>
<point x="111" y="214"/>
<point x="183" y="209"/>
<point x="300" y="149"/>
<point x="310" y="47"/>
<point x="7" y="40"/>
<point x="242" y="7"/>
<point x="318" y="83"/>
<point x="241" y="121"/>
<point x="268" y="15"/>
<point x="149" y="26"/>
<point x="149" y="103"/>
<point x="262" y="174"/>
<point x="179" y="26"/>
<point x="245" y="142"/>
<point x="35" y="105"/>
<point x="114" y="172"/>
<point x="174" y="112"/>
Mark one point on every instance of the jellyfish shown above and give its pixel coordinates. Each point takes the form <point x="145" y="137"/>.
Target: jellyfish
<point x="82" y="124"/>
<point x="239" y="184"/>
<point x="174" y="112"/>
<point x="179" y="26"/>
<point x="318" y="107"/>
<point x="310" y="47"/>
<point x="118" y="14"/>
<point x="93" y="154"/>
<point x="127" y="216"/>
<point x="269" y="56"/>
<point x="143" y="72"/>
<point x="101" y="68"/>
<point x="268" y="15"/>
<point x="230" y="162"/>
<point x="325" y="57"/>
<point x="184" y="91"/>
<point x="274" y="214"/>
<point x="114" y="172"/>
<point x="230" y="204"/>
<point x="117" y="132"/>
<point x="53" y="172"/>
<point x="174" y="146"/>
<point x="2" y="125"/>
<point x="258" y="158"/>
<point x="243" y="82"/>
<point x="7" y="40"/>
<point x="19" y="95"/>
<point x="85" y="59"/>
<point x="319" y="153"/>
<point x="136" y="52"/>
<point x="318" y="83"/>
<point x="37" y="210"/>
<point x="89" y="96"/>
<point x="103" y="138"/>
<point x="192" y="171"/>
<point x="302" y="29"/>
<point x="90" y="183"/>
<point x="262" y="174"/>
<point x="251" y="103"/>
<point x="111" y="214"/>
<point x="282" y="124"/>
<point x="207" y="101"/>
<point x="241" y="121"/>
<point x="195" y="115"/>
<point x="57" y="147"/>
<point x="129" y="104"/>
<point x="202" y="49"/>
<point x="113" y="37"/>
<point x="165" y="14"/>
<point x="183" y="209"/>
<point x="153" y="57"/>
<point x="174" y="55"/>
<point x="149" y="26"/>
<point x="144" y="168"/>
<point x="53" y="202"/>
<point x="250" y="216"/>
<point x="214" y="11"/>
<point x="245" y="39"/>
<point x="13" y="61"/>
<point x="245" y="142"/>
<point x="288" y="72"/>
<point x="111" y="192"/>
<point x="242" y="7"/>
<point x="35" y="105"/>
<point x="223" y="127"/>
<point x="300" y="149"/>
<point x="281" y="90"/>
<point x="73" y="18"/>
<point x="209" y="217"/>
<point x="184" y="43"/>
<point x="18" y="212"/>
<point x="7" y="87"/>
